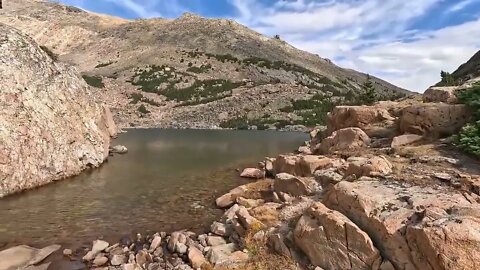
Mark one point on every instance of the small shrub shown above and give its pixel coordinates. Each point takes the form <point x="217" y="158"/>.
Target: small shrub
<point x="136" y="97"/>
<point x="95" y="81"/>
<point x="468" y="139"/>
<point x="142" y="109"/>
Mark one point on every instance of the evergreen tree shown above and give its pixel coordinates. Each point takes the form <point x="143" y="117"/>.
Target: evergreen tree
<point x="447" y="79"/>
<point x="369" y="94"/>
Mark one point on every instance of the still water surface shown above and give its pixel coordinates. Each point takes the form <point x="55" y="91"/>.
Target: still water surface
<point x="167" y="181"/>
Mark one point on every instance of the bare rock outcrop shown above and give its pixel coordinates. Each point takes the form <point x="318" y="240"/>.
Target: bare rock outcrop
<point x="441" y="94"/>
<point x="332" y="241"/>
<point x="346" y="139"/>
<point x="414" y="227"/>
<point x="434" y="119"/>
<point x="373" y="120"/>
<point x="50" y="125"/>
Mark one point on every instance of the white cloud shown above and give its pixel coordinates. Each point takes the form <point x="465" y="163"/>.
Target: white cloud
<point x="373" y="36"/>
<point x="460" y="5"/>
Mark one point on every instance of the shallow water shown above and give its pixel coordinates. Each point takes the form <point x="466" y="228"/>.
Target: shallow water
<point x="167" y="181"/>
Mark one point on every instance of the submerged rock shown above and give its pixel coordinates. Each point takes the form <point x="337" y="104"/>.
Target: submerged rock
<point x="118" y="149"/>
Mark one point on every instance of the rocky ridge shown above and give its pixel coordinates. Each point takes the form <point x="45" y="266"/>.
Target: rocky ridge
<point x="191" y="72"/>
<point x="52" y="126"/>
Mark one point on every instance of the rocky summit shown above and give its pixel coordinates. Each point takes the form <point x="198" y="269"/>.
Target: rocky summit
<point x="192" y="72"/>
<point x="51" y="124"/>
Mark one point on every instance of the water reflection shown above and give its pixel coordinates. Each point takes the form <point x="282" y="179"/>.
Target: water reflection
<point x="167" y="181"/>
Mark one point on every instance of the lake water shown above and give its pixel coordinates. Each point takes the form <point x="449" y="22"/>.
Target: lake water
<point x="167" y="181"/>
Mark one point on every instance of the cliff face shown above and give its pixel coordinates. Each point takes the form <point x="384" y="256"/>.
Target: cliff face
<point x="50" y="124"/>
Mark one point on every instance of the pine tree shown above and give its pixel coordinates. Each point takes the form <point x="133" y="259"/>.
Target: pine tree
<point x="447" y="78"/>
<point x="369" y="94"/>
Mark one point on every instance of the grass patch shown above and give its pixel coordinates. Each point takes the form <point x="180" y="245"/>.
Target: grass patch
<point x="142" y="109"/>
<point x="137" y="97"/>
<point x="95" y="81"/>
<point x="201" y="69"/>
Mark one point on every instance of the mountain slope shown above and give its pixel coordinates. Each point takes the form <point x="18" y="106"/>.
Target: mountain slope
<point x="191" y="71"/>
<point x="469" y="70"/>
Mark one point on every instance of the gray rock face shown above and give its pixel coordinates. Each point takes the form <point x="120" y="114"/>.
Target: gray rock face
<point x="51" y="126"/>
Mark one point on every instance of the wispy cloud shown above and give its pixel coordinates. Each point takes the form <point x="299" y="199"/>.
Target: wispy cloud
<point x="460" y="5"/>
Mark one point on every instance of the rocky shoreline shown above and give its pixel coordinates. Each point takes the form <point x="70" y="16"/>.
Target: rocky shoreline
<point x="379" y="191"/>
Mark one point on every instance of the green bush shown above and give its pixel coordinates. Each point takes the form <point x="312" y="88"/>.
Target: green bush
<point x="150" y="79"/>
<point x="135" y="98"/>
<point x="468" y="139"/>
<point x="142" y="109"/>
<point x="200" y="90"/>
<point x="95" y="81"/>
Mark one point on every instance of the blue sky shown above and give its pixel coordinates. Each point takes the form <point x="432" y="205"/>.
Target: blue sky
<point x="406" y="42"/>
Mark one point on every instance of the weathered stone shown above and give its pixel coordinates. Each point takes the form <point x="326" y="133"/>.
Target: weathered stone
<point x="173" y="241"/>
<point x="295" y="186"/>
<point x="375" y="121"/>
<point x="328" y="177"/>
<point x="100" y="260"/>
<point x="230" y="198"/>
<point x="332" y="241"/>
<point x="230" y="213"/>
<point x="277" y="243"/>
<point x="99" y="245"/>
<point x="118" y="149"/>
<point x="20" y="257"/>
<point x="181" y="248"/>
<point x="253" y="173"/>
<point x="215" y="241"/>
<point x="118" y="259"/>
<point x="441" y="94"/>
<point x="220" y="253"/>
<point x="196" y="258"/>
<point x="373" y="166"/>
<point x="305" y="150"/>
<point x="67" y="252"/>
<point x="347" y="139"/>
<point x="218" y="229"/>
<point x="157" y="240"/>
<point x="51" y="126"/>
<point x="414" y="227"/>
<point x="405" y="140"/>
<point x="285" y="164"/>
<point x="308" y="164"/>
<point x="248" y="221"/>
<point x="434" y="119"/>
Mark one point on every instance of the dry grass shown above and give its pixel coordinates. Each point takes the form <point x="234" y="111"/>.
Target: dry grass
<point x="266" y="214"/>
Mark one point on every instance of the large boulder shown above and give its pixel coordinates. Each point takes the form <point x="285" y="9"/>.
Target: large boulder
<point x="332" y="241"/>
<point x="369" y="166"/>
<point x="295" y="186"/>
<point x="51" y="125"/>
<point x="285" y="164"/>
<point x="308" y="164"/>
<point x="413" y="227"/>
<point x="446" y="94"/>
<point x="347" y="139"/>
<point x="376" y="121"/>
<point x="434" y="119"/>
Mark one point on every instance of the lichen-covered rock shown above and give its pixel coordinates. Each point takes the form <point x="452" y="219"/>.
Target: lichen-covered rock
<point x="433" y="119"/>
<point x="332" y="241"/>
<point x="50" y="125"/>
<point x="414" y="227"/>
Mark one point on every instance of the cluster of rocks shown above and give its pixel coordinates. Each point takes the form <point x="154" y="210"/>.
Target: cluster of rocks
<point x="375" y="189"/>
<point x="182" y="250"/>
